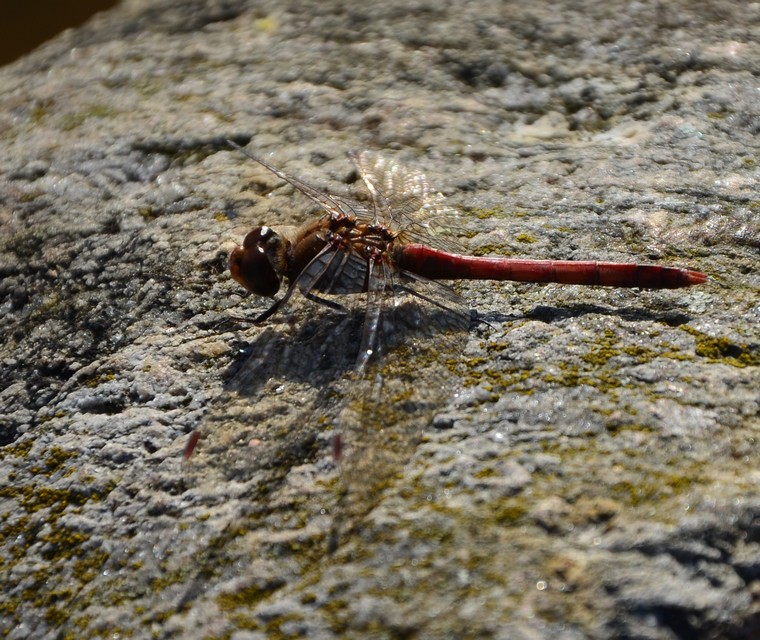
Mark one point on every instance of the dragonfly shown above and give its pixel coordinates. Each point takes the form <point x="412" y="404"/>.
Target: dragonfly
<point x="396" y="243"/>
<point x="376" y="269"/>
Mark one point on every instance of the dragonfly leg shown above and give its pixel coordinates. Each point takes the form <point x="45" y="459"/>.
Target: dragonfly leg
<point x="272" y="310"/>
<point x="328" y="303"/>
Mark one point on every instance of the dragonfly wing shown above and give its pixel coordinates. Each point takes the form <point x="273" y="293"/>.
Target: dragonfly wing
<point x="415" y="209"/>
<point x="329" y="203"/>
<point x="336" y="272"/>
<point x="403" y="377"/>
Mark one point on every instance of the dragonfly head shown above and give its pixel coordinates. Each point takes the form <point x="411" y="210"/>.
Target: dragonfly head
<point x="260" y="263"/>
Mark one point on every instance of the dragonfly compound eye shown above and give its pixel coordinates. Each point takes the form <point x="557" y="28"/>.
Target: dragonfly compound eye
<point x="256" y="264"/>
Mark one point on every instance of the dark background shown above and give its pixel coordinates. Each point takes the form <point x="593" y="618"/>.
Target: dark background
<point x="25" y="24"/>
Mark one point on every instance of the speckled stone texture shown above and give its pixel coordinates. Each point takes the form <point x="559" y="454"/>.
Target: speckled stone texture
<point x="583" y="464"/>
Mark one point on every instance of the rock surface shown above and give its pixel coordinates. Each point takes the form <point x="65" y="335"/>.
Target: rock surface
<point x="593" y="472"/>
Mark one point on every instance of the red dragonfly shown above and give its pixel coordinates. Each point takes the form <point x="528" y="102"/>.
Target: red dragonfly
<point x="396" y="244"/>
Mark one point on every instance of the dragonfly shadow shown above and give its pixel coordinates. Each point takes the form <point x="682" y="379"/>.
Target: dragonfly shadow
<point x="318" y="348"/>
<point x="551" y="314"/>
<point x="296" y="385"/>
<point x="324" y="346"/>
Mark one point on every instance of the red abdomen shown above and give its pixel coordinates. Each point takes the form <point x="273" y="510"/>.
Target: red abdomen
<point x="440" y="265"/>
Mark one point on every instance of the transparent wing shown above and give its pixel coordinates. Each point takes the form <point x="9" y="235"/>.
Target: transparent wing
<point x="409" y="204"/>
<point x="399" y="388"/>
<point x="402" y="199"/>
<point x="331" y="204"/>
